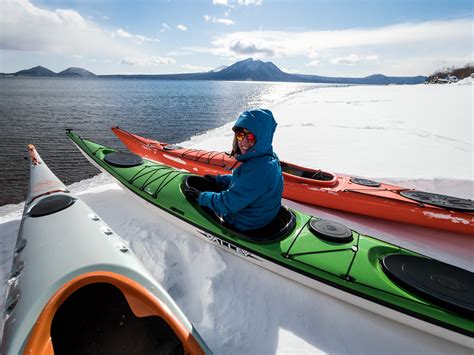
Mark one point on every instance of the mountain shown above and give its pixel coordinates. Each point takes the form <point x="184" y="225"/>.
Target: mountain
<point x="40" y="71"/>
<point x="253" y="70"/>
<point x="36" y="71"/>
<point x="76" y="73"/>
<point x="256" y="70"/>
<point x="244" y="70"/>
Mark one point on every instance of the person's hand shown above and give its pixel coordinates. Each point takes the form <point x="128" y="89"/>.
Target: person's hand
<point x="191" y="193"/>
<point x="210" y="178"/>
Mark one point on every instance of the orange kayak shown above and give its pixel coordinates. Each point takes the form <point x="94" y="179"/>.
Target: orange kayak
<point x="323" y="188"/>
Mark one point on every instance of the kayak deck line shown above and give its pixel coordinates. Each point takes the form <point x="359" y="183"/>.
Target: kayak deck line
<point x="76" y="286"/>
<point x="351" y="271"/>
<point x="322" y="188"/>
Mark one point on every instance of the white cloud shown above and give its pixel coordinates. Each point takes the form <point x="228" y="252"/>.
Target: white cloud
<point x="250" y="2"/>
<point x="163" y="60"/>
<point x="230" y="3"/>
<point x="121" y="33"/>
<point x="143" y="62"/>
<point x="195" y="68"/>
<point x="139" y="38"/>
<point x="164" y="27"/>
<point x="223" y="21"/>
<point x="353" y="59"/>
<point x="220" y="2"/>
<point x="313" y="63"/>
<point x="395" y="44"/>
<point x="132" y="61"/>
<point x="250" y="47"/>
<point x="26" y="27"/>
<point x="182" y="27"/>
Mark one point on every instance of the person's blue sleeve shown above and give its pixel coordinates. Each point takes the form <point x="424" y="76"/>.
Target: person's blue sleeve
<point x="224" y="180"/>
<point x="243" y="192"/>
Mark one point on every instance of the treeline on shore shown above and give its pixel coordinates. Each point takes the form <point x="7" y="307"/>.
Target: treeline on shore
<point x="460" y="72"/>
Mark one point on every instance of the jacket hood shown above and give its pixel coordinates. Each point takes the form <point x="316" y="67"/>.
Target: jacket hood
<point x="262" y="124"/>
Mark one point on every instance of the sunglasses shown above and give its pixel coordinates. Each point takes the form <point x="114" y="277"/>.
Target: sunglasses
<point x="241" y="135"/>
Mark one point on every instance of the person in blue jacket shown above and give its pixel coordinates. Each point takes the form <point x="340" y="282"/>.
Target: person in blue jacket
<point x="251" y="197"/>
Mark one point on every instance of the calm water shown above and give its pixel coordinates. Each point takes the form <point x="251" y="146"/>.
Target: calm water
<point x="36" y="110"/>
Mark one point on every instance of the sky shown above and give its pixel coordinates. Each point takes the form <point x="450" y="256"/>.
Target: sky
<point x="320" y="37"/>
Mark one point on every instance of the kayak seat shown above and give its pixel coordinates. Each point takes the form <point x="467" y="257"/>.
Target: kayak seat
<point x="291" y="171"/>
<point x="282" y="225"/>
<point x="97" y="319"/>
<point x="307" y="174"/>
<point x="317" y="175"/>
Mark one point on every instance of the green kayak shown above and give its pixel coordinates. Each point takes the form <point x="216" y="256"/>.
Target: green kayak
<point x="394" y="282"/>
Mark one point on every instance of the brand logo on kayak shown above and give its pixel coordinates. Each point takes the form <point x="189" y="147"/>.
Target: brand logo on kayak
<point x="227" y="245"/>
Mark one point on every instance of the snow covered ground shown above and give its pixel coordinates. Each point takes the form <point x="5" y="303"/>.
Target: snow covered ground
<point x="416" y="136"/>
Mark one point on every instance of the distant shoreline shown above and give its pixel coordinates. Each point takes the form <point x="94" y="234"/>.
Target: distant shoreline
<point x="245" y="70"/>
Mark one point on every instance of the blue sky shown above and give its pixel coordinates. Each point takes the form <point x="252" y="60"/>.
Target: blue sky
<point x="322" y="37"/>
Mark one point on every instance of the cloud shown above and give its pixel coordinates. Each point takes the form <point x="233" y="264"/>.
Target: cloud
<point x="151" y="61"/>
<point x="182" y="27"/>
<point x="313" y="63"/>
<point x="121" y="33"/>
<point x="223" y="21"/>
<point x="394" y="44"/>
<point x="164" y="27"/>
<point x="353" y="59"/>
<point x="230" y="3"/>
<point x="220" y="2"/>
<point x="146" y="39"/>
<point x="196" y="68"/>
<point x="163" y="60"/>
<point x="26" y="27"/>
<point x="250" y="2"/>
<point x="249" y="48"/>
<point x="139" y="38"/>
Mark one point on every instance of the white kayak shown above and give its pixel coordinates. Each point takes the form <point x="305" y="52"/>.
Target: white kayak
<point x="75" y="285"/>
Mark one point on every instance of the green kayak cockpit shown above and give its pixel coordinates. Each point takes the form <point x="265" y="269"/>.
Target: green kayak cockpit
<point x="283" y="224"/>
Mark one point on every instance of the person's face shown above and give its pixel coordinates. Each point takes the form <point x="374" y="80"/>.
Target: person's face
<point x="245" y="140"/>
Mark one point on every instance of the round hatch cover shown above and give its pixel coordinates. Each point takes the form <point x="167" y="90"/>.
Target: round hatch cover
<point x="443" y="284"/>
<point x="444" y="201"/>
<point x="51" y="204"/>
<point x="365" y="182"/>
<point x="123" y="160"/>
<point x="331" y="231"/>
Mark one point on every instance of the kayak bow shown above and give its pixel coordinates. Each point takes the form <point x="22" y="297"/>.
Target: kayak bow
<point x="76" y="287"/>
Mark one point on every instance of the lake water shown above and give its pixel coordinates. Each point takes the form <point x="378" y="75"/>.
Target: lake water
<point x="38" y="110"/>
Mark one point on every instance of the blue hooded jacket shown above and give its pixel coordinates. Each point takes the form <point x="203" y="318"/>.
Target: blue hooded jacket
<point x="253" y="196"/>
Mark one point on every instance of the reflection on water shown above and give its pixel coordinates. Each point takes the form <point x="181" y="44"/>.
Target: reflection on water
<point x="37" y="111"/>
